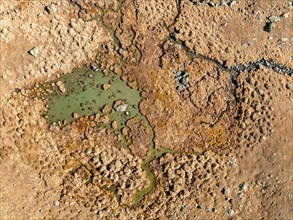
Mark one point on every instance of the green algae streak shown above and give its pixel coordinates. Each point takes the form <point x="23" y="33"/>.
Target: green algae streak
<point x="153" y="154"/>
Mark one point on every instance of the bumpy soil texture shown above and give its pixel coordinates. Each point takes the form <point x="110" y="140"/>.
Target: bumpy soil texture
<point x="174" y="109"/>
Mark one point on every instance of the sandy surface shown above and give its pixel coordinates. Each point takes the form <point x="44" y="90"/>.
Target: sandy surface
<point x="217" y="89"/>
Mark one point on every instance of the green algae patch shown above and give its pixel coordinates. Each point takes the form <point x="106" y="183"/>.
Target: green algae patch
<point x="85" y="94"/>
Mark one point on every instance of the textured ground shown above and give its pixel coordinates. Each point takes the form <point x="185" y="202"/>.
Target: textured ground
<point x="217" y="91"/>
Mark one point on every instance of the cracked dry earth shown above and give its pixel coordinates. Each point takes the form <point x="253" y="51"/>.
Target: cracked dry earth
<point x="213" y="136"/>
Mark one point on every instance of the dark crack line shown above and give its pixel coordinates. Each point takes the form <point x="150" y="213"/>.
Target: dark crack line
<point x="238" y="68"/>
<point x="135" y="4"/>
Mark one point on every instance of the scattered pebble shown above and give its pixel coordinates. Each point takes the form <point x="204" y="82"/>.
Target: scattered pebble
<point x="105" y="119"/>
<point x="95" y="68"/>
<point x="240" y="195"/>
<point x="183" y="80"/>
<point x="34" y="51"/>
<point x="285" y="15"/>
<point x="269" y="26"/>
<point x="232" y="2"/>
<point x="243" y="186"/>
<point x="124" y="131"/>
<point x="233" y="162"/>
<point x="61" y="86"/>
<point x="199" y="206"/>
<point x="106" y="86"/>
<point x="56" y="203"/>
<point x="121" y="108"/>
<point x="114" y="124"/>
<point x="106" y="108"/>
<point x="97" y="117"/>
<point x="230" y="212"/>
<point x="51" y="9"/>
<point x="226" y="190"/>
<point x="230" y="200"/>
<point x="274" y="18"/>
<point x="289" y="86"/>
<point x="75" y="115"/>
<point x="283" y="40"/>
<point x="211" y="4"/>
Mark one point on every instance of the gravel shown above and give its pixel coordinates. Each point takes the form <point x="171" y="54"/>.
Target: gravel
<point x="230" y="212"/>
<point x="34" y="51"/>
<point x="51" y="9"/>
<point x="243" y="186"/>
<point x="121" y="108"/>
<point x="226" y="190"/>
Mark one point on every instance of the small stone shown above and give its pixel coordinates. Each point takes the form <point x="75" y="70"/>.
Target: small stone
<point x="283" y="40"/>
<point x="51" y="9"/>
<point x="233" y="162"/>
<point x="75" y="115"/>
<point x="56" y="203"/>
<point x="124" y="131"/>
<point x="121" y="108"/>
<point x="199" y="206"/>
<point x="222" y="2"/>
<point x="226" y="190"/>
<point x="211" y="4"/>
<point x="61" y="86"/>
<point x="114" y="124"/>
<point x="105" y="119"/>
<point x="274" y="18"/>
<point x="240" y="195"/>
<point x="230" y="212"/>
<point x="289" y="86"/>
<point x="106" y="108"/>
<point x="106" y="86"/>
<point x="272" y="158"/>
<point x="243" y="186"/>
<point x="96" y="68"/>
<point x="232" y="2"/>
<point x="285" y="15"/>
<point x="269" y="26"/>
<point x="97" y="117"/>
<point x="230" y="200"/>
<point x="117" y="70"/>
<point x="34" y="51"/>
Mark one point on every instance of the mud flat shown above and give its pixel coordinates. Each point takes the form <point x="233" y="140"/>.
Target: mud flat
<point x="184" y="114"/>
